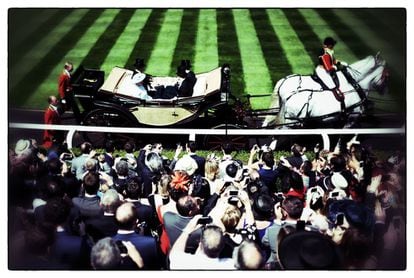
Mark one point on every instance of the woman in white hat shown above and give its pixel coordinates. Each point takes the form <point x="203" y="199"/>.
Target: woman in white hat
<point x="138" y="87"/>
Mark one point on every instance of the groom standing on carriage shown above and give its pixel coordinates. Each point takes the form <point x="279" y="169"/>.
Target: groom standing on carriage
<point x="326" y="71"/>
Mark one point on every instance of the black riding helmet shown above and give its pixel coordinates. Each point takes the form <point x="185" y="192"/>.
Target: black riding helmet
<point x="329" y="41"/>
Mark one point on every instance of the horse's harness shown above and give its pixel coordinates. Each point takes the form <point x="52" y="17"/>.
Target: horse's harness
<point x="340" y="98"/>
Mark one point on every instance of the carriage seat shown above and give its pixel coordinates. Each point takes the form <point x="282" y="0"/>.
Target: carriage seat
<point x="200" y="87"/>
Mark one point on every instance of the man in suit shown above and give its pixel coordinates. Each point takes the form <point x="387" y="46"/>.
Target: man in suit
<point x="201" y="161"/>
<point x="68" y="249"/>
<point x="89" y="204"/>
<point x="287" y="212"/>
<point x="78" y="164"/>
<point x="105" y="225"/>
<point x="52" y="117"/>
<point x="186" y="87"/>
<point x="126" y="217"/>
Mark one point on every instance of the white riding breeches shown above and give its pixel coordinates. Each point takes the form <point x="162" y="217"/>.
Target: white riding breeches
<point x="325" y="77"/>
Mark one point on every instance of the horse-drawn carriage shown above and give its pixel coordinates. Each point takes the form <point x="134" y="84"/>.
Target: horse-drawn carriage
<point x="302" y="100"/>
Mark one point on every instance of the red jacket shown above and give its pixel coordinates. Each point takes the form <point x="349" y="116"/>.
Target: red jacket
<point x="51" y="118"/>
<point x="64" y="84"/>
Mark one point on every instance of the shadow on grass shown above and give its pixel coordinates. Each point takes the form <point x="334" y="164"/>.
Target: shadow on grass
<point x="228" y="49"/>
<point x="186" y="41"/>
<point x="145" y="43"/>
<point x="34" y="78"/>
<point x="98" y="53"/>
<point x="305" y="33"/>
<point x="43" y="30"/>
<point x="273" y="53"/>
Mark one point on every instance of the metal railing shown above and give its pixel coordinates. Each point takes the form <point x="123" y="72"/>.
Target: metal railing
<point x="324" y="133"/>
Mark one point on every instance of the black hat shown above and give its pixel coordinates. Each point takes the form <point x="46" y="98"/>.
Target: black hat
<point x="309" y="250"/>
<point x="181" y="71"/>
<point x="139" y="63"/>
<point x="329" y="41"/>
<point x="186" y="64"/>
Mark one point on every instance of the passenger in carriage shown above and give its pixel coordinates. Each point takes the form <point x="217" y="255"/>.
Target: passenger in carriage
<point x="185" y="89"/>
<point x="139" y="67"/>
<point x="139" y="91"/>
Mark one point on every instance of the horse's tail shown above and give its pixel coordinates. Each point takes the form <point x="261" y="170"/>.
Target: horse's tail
<point x="274" y="103"/>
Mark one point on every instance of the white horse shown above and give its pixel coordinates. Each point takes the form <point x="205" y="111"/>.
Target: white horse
<point x="301" y="98"/>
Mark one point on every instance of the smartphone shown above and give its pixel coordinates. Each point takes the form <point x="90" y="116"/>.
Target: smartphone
<point x="334" y="194"/>
<point x="233" y="193"/>
<point x="339" y="219"/>
<point x="205" y="220"/>
<point x="122" y="248"/>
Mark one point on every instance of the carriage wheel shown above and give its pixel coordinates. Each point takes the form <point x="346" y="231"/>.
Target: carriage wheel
<point x="106" y="118"/>
<point x="214" y="142"/>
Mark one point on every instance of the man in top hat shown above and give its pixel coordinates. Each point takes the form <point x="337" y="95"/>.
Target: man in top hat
<point x="186" y="87"/>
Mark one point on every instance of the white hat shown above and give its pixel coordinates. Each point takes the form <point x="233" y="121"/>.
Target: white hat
<point x="338" y="181"/>
<point x="186" y="163"/>
<point x="21" y="146"/>
<point x="138" y="77"/>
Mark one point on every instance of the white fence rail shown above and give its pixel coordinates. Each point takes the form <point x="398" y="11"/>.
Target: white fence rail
<point x="324" y="133"/>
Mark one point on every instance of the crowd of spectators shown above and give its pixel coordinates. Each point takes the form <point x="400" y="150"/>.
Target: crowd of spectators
<point x="340" y="209"/>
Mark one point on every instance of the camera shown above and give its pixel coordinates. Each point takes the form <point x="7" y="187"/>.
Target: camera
<point x="233" y="193"/>
<point x="205" y="220"/>
<point x="122" y="248"/>
<point x="334" y="194"/>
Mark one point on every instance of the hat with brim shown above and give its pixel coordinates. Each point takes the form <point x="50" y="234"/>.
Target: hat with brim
<point x="139" y="63"/>
<point x="187" y="164"/>
<point x="21" y="146"/>
<point x="232" y="170"/>
<point x="309" y="250"/>
<point x="138" y="77"/>
<point x="339" y="181"/>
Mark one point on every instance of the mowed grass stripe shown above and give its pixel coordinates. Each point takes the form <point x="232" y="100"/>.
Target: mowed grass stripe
<point x="23" y="22"/>
<point x="305" y="33"/>
<point x="206" y="53"/>
<point x="24" y="93"/>
<point x="275" y="59"/>
<point x="364" y="32"/>
<point x="389" y="23"/>
<point x="186" y="40"/>
<point x="119" y="53"/>
<point x="46" y="46"/>
<point x="146" y="41"/>
<point x="293" y="50"/>
<point x="256" y="73"/>
<point x="159" y="62"/>
<point x="325" y="29"/>
<point x="78" y="52"/>
<point x="33" y="37"/>
<point x="229" y="51"/>
<point x="106" y="41"/>
<point x="345" y="34"/>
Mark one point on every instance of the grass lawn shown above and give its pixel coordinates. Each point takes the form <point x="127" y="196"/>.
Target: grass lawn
<point x="261" y="45"/>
